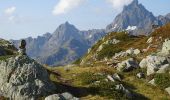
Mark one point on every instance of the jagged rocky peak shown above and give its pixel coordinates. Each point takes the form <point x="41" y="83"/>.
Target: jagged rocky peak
<point x="65" y="26"/>
<point x="133" y="17"/>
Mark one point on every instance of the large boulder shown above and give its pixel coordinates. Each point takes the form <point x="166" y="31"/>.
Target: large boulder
<point x="22" y="78"/>
<point x="168" y="90"/>
<point x="127" y="65"/>
<point x="121" y="88"/>
<point x="155" y="64"/>
<point x="63" y="96"/>
<point x="166" y="47"/>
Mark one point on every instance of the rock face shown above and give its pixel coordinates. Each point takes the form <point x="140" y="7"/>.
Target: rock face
<point x="133" y="15"/>
<point x="127" y="65"/>
<point x="63" y="46"/>
<point x="7" y="48"/>
<point x="154" y="64"/>
<point x="166" y="47"/>
<point x="136" y="19"/>
<point x="63" y="96"/>
<point x="21" y="78"/>
<point x="168" y="90"/>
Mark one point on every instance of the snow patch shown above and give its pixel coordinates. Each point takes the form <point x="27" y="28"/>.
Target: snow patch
<point x="131" y="28"/>
<point x="90" y="36"/>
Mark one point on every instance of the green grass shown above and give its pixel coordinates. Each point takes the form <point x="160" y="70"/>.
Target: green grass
<point x="6" y="57"/>
<point x="86" y="77"/>
<point x="162" y="80"/>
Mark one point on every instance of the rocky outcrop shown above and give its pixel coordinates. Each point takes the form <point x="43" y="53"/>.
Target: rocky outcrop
<point x="127" y="65"/>
<point x="168" y="90"/>
<point x="155" y="64"/>
<point x="21" y="78"/>
<point x="166" y="47"/>
<point x="63" y="96"/>
<point x="121" y="88"/>
<point x="7" y="48"/>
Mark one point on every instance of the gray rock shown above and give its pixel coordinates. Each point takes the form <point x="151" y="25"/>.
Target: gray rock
<point x="120" y="87"/>
<point x="152" y="82"/>
<point x="154" y="63"/>
<point x="21" y="78"/>
<point x="63" y="96"/>
<point x="143" y="63"/>
<point x="120" y="54"/>
<point x="166" y="47"/>
<point x="109" y="77"/>
<point x="150" y="40"/>
<point x="168" y="90"/>
<point x="164" y="69"/>
<point x="116" y="77"/>
<point x="137" y="51"/>
<point x="127" y="65"/>
<point x="114" y="41"/>
<point x="140" y="75"/>
<point x="130" y="51"/>
<point x="53" y="97"/>
<point x="100" y="47"/>
<point x="66" y="96"/>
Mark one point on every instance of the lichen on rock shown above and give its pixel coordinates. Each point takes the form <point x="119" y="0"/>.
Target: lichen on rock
<point x="22" y="78"/>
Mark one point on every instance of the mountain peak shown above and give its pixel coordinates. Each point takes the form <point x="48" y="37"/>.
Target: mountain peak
<point x="67" y="23"/>
<point x="133" y="15"/>
<point x="135" y="2"/>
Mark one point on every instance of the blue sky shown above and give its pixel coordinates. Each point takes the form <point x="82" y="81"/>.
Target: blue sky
<point x="24" y="18"/>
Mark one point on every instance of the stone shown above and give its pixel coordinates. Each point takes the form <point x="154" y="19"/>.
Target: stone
<point x="110" y="78"/>
<point x="22" y="78"/>
<point x="22" y="47"/>
<point x="127" y="65"/>
<point x="116" y="77"/>
<point x="67" y="96"/>
<point x="140" y="75"/>
<point x="168" y="90"/>
<point x="63" y="96"/>
<point x="130" y="51"/>
<point x="100" y="48"/>
<point x="120" y="54"/>
<point x="120" y="87"/>
<point x="89" y="50"/>
<point x="150" y="40"/>
<point x="143" y="63"/>
<point x="165" y="68"/>
<point x="152" y="82"/>
<point x="154" y="63"/>
<point x="137" y="51"/>
<point x="53" y="97"/>
<point x="166" y="47"/>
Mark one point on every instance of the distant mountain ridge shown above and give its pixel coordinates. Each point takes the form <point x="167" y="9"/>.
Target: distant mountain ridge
<point x="64" y="45"/>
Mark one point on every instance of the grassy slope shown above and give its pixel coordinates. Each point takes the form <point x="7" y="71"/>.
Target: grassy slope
<point x="10" y="51"/>
<point x="73" y="78"/>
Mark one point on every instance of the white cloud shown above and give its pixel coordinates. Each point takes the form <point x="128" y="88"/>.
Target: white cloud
<point x="66" y="5"/>
<point x="119" y="4"/>
<point x="10" y="10"/>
